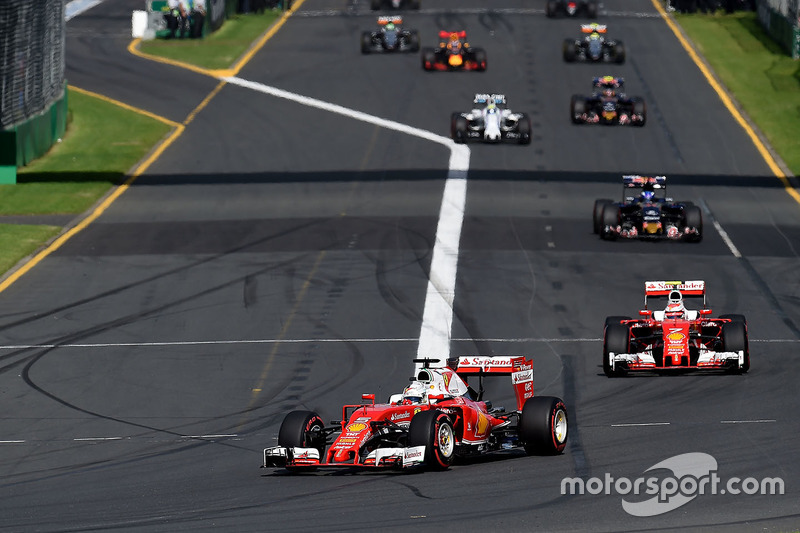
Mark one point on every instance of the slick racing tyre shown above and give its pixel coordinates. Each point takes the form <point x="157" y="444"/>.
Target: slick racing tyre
<point x="734" y="339"/>
<point x="524" y="126"/>
<point x="619" y="53"/>
<point x="639" y="109"/>
<point x="591" y="10"/>
<point x="570" y="50"/>
<point x="458" y="128"/>
<point x="433" y="430"/>
<point x="413" y="4"/>
<point x="577" y="107"/>
<point x="366" y="42"/>
<point x="428" y="58"/>
<point x="413" y="41"/>
<point x="552" y="8"/>
<point x="610" y="219"/>
<point x="302" y="429"/>
<point x="693" y="218"/>
<point x="597" y="214"/>
<point x="376" y="5"/>
<point x="616" y="339"/>
<point x="543" y="425"/>
<point x="480" y="59"/>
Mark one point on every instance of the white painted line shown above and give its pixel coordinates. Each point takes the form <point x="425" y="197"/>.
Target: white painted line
<point x="12" y="442"/>
<point x="208" y="436"/>
<point x="98" y="438"/>
<point x="437" y="316"/>
<point x="76" y="7"/>
<point x="639" y="425"/>
<point x="722" y="232"/>
<point x="763" y="421"/>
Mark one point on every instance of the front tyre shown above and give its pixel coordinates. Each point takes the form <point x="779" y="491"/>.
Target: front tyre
<point x="734" y="339"/>
<point x="524" y="126"/>
<point x="597" y="214"/>
<point x="616" y="339"/>
<point x="303" y="429"/>
<point x="543" y="425"/>
<point x="434" y="430"/>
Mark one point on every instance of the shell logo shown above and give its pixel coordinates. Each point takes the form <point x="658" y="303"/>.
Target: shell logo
<point x="356" y="427"/>
<point x="482" y="425"/>
<point x="676" y="337"/>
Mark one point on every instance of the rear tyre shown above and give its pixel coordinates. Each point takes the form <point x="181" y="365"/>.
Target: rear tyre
<point x="413" y="43"/>
<point x="577" y="107"/>
<point x="428" y="58"/>
<point x="639" y="108"/>
<point x="376" y="5"/>
<point x="433" y="430"/>
<point x="413" y="4"/>
<point x="616" y="339"/>
<point x="366" y="42"/>
<point x="619" y="53"/>
<point x="610" y="219"/>
<point x="591" y="10"/>
<point x="524" y="125"/>
<point x="480" y="59"/>
<point x="458" y="128"/>
<point x="551" y="8"/>
<point x="693" y="218"/>
<point x="543" y="425"/>
<point x="734" y="339"/>
<point x="303" y="429"/>
<point x="569" y="51"/>
<point x="597" y="214"/>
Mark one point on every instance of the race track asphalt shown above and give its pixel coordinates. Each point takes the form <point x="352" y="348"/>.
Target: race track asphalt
<point x="276" y="257"/>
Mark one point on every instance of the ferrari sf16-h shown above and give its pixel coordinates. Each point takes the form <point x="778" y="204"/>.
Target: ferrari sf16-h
<point x="390" y="37"/>
<point x="647" y="213"/>
<point x="490" y="121"/>
<point x="608" y="104"/>
<point x="674" y="338"/>
<point x="594" y="46"/>
<point x="453" y="53"/>
<point x="437" y="417"/>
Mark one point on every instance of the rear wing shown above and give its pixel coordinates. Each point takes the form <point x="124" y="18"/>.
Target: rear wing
<point x="593" y="27"/>
<point x="631" y="184"/>
<point x="444" y="34"/>
<point x="518" y="367"/>
<point x="691" y="289"/>
<point x="482" y="98"/>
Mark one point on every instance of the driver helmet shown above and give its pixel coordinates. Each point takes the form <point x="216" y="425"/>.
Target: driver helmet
<point x="491" y="106"/>
<point x="416" y="392"/>
<point x="389" y="26"/>
<point x="647" y="196"/>
<point x="675" y="308"/>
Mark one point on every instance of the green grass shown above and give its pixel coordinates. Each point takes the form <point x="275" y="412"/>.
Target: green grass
<point x="219" y="50"/>
<point x="103" y="141"/>
<point x="757" y="71"/>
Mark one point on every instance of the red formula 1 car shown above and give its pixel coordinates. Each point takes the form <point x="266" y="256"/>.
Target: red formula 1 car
<point x="675" y="338"/>
<point x="453" y="53"/>
<point x="436" y="418"/>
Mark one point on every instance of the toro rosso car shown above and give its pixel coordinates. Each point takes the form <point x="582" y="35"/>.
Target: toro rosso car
<point x="647" y="213"/>
<point x="594" y="46"/>
<point x="608" y="104"/>
<point x="490" y="121"/>
<point x="675" y="338"/>
<point x="389" y="37"/>
<point x="393" y="4"/>
<point x="571" y="8"/>
<point x="453" y="53"/>
<point x="438" y="416"/>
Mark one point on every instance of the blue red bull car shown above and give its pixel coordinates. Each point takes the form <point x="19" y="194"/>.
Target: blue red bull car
<point x="674" y="338"/>
<point x="438" y="417"/>
<point x="453" y="53"/>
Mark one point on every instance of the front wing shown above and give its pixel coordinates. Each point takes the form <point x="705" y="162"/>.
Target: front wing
<point x="708" y="360"/>
<point x="281" y="457"/>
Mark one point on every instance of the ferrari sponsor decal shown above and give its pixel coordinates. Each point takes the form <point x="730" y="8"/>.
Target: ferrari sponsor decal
<point x="356" y="427"/>
<point x="482" y="425"/>
<point x="446" y="377"/>
<point x="522" y="377"/>
<point x="676" y="336"/>
<point x="400" y="416"/>
<point x="413" y="455"/>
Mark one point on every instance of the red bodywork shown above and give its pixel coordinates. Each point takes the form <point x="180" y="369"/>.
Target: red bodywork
<point x="363" y="426"/>
<point x="454" y="53"/>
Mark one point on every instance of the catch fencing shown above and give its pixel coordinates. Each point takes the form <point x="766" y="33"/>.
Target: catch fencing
<point x="781" y="19"/>
<point x="33" y="106"/>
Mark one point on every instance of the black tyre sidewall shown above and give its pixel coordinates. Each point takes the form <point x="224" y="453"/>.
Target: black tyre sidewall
<point x="537" y="425"/>
<point x="424" y="431"/>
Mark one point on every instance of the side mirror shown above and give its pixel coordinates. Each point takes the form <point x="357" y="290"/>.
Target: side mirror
<point x="367" y="399"/>
<point x="646" y="313"/>
<point x="705" y="312"/>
